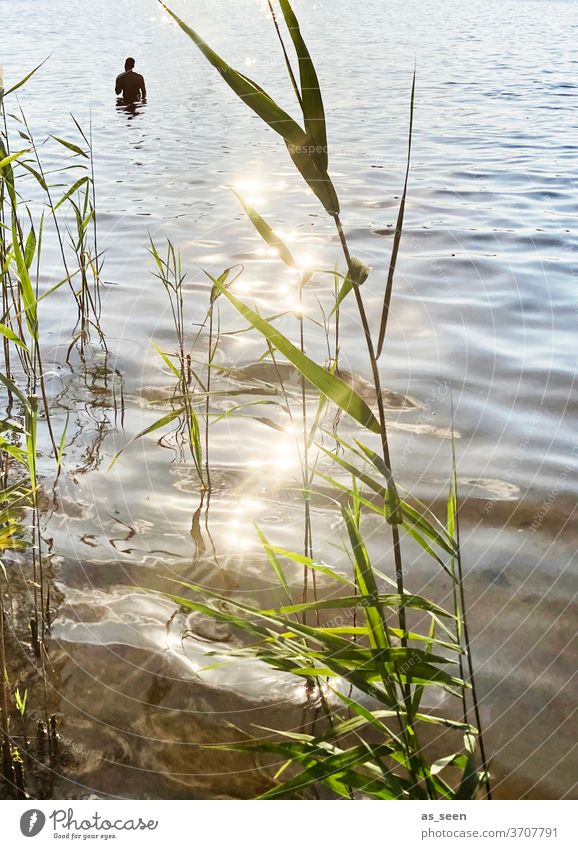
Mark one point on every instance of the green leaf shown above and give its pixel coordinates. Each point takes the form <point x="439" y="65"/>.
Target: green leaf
<point x="378" y="635"/>
<point x="38" y="177"/>
<point x="166" y="360"/>
<point x="414" y="522"/>
<point x="9" y="173"/>
<point x="13" y="156"/>
<point x="311" y="100"/>
<point x="317" y="180"/>
<point x="31" y="423"/>
<point x="11" y="386"/>
<point x="310" y="563"/>
<point x="362" y="601"/>
<point x="310" y="159"/>
<point x="24" y="79"/>
<point x="222" y="278"/>
<point x="9" y="334"/>
<point x="470" y="781"/>
<point x="14" y="451"/>
<point x="30" y="247"/>
<point x="299" y="143"/>
<point x="331" y="767"/>
<point x="150" y="429"/>
<point x="70" y="192"/>
<point x="398" y="232"/>
<point x="357" y="275"/>
<point x="194" y="436"/>
<point x="329" y="385"/>
<point x="252" y="94"/>
<point x="20" y="701"/>
<point x="73" y="147"/>
<point x="459" y="760"/>
<point x="62" y="444"/>
<point x="274" y="561"/>
<point x="266" y="232"/>
<point x="28" y="296"/>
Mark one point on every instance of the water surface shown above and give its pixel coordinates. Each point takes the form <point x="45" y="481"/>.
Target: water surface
<point x="485" y="310"/>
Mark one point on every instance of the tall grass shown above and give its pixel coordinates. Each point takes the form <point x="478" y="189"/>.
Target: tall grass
<point x="68" y="210"/>
<point x="370" y="671"/>
<point x="366" y="647"/>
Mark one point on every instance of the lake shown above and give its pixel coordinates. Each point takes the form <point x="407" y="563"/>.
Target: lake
<point x="484" y="317"/>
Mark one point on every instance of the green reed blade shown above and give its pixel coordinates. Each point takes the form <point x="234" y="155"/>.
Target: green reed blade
<point x="357" y="274"/>
<point x="30" y="246"/>
<point x="24" y="80"/>
<point x="13" y="157"/>
<point x="251" y="94"/>
<point x="36" y="174"/>
<point x="164" y="420"/>
<point x="361" y="601"/>
<point x="28" y="296"/>
<point x="398" y="232"/>
<point x="274" y="561"/>
<point x="317" y="179"/>
<point x="310" y="563"/>
<point x="71" y="146"/>
<point x="266" y="232"/>
<point x="329" y="385"/>
<point x="167" y="361"/>
<point x="311" y="99"/>
<point x="68" y="194"/>
<point x="9" y="334"/>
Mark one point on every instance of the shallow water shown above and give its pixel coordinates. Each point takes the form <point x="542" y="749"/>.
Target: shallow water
<point x="485" y="309"/>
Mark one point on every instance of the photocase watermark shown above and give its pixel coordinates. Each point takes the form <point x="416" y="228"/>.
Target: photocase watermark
<point x="32" y="822"/>
<point x="66" y="826"/>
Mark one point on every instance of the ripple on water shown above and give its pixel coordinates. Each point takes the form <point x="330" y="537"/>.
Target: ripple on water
<point x="484" y="306"/>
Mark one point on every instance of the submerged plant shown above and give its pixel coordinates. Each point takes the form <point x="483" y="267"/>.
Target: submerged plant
<point x="371" y="668"/>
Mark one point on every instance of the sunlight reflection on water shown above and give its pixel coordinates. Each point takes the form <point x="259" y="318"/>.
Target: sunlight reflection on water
<point x="484" y="303"/>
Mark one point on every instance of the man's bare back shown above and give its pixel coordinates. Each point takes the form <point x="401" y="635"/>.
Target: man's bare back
<point x="130" y="84"/>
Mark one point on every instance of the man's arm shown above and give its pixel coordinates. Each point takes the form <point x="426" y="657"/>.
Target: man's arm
<point x="143" y="89"/>
<point x="118" y="86"/>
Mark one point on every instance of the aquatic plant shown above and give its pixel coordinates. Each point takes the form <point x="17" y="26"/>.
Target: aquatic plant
<point x="369" y="669"/>
<point x="365" y="647"/>
<point x="29" y="405"/>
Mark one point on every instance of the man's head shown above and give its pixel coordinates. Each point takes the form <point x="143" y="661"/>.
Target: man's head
<point x="129" y="64"/>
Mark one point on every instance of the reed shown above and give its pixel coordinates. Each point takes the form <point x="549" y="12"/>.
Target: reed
<point x="171" y="276"/>
<point x="24" y="378"/>
<point x="366" y="647"/>
<point x="390" y="644"/>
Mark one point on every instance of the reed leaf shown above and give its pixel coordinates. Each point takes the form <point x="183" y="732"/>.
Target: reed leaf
<point x="7" y="160"/>
<point x="266" y="232"/>
<point x="301" y="148"/>
<point x="252" y="94"/>
<point x="311" y="99"/>
<point x="397" y="234"/>
<point x="71" y="146"/>
<point x="357" y="274"/>
<point x="9" y="334"/>
<point x="328" y="384"/>
<point x="68" y="194"/>
<point x="362" y="601"/>
<point x="164" y="420"/>
<point x="23" y="81"/>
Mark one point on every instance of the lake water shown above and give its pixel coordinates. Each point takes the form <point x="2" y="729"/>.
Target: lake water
<point x="485" y="309"/>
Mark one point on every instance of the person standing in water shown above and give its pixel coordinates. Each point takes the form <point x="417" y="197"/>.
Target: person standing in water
<point x="130" y="84"/>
